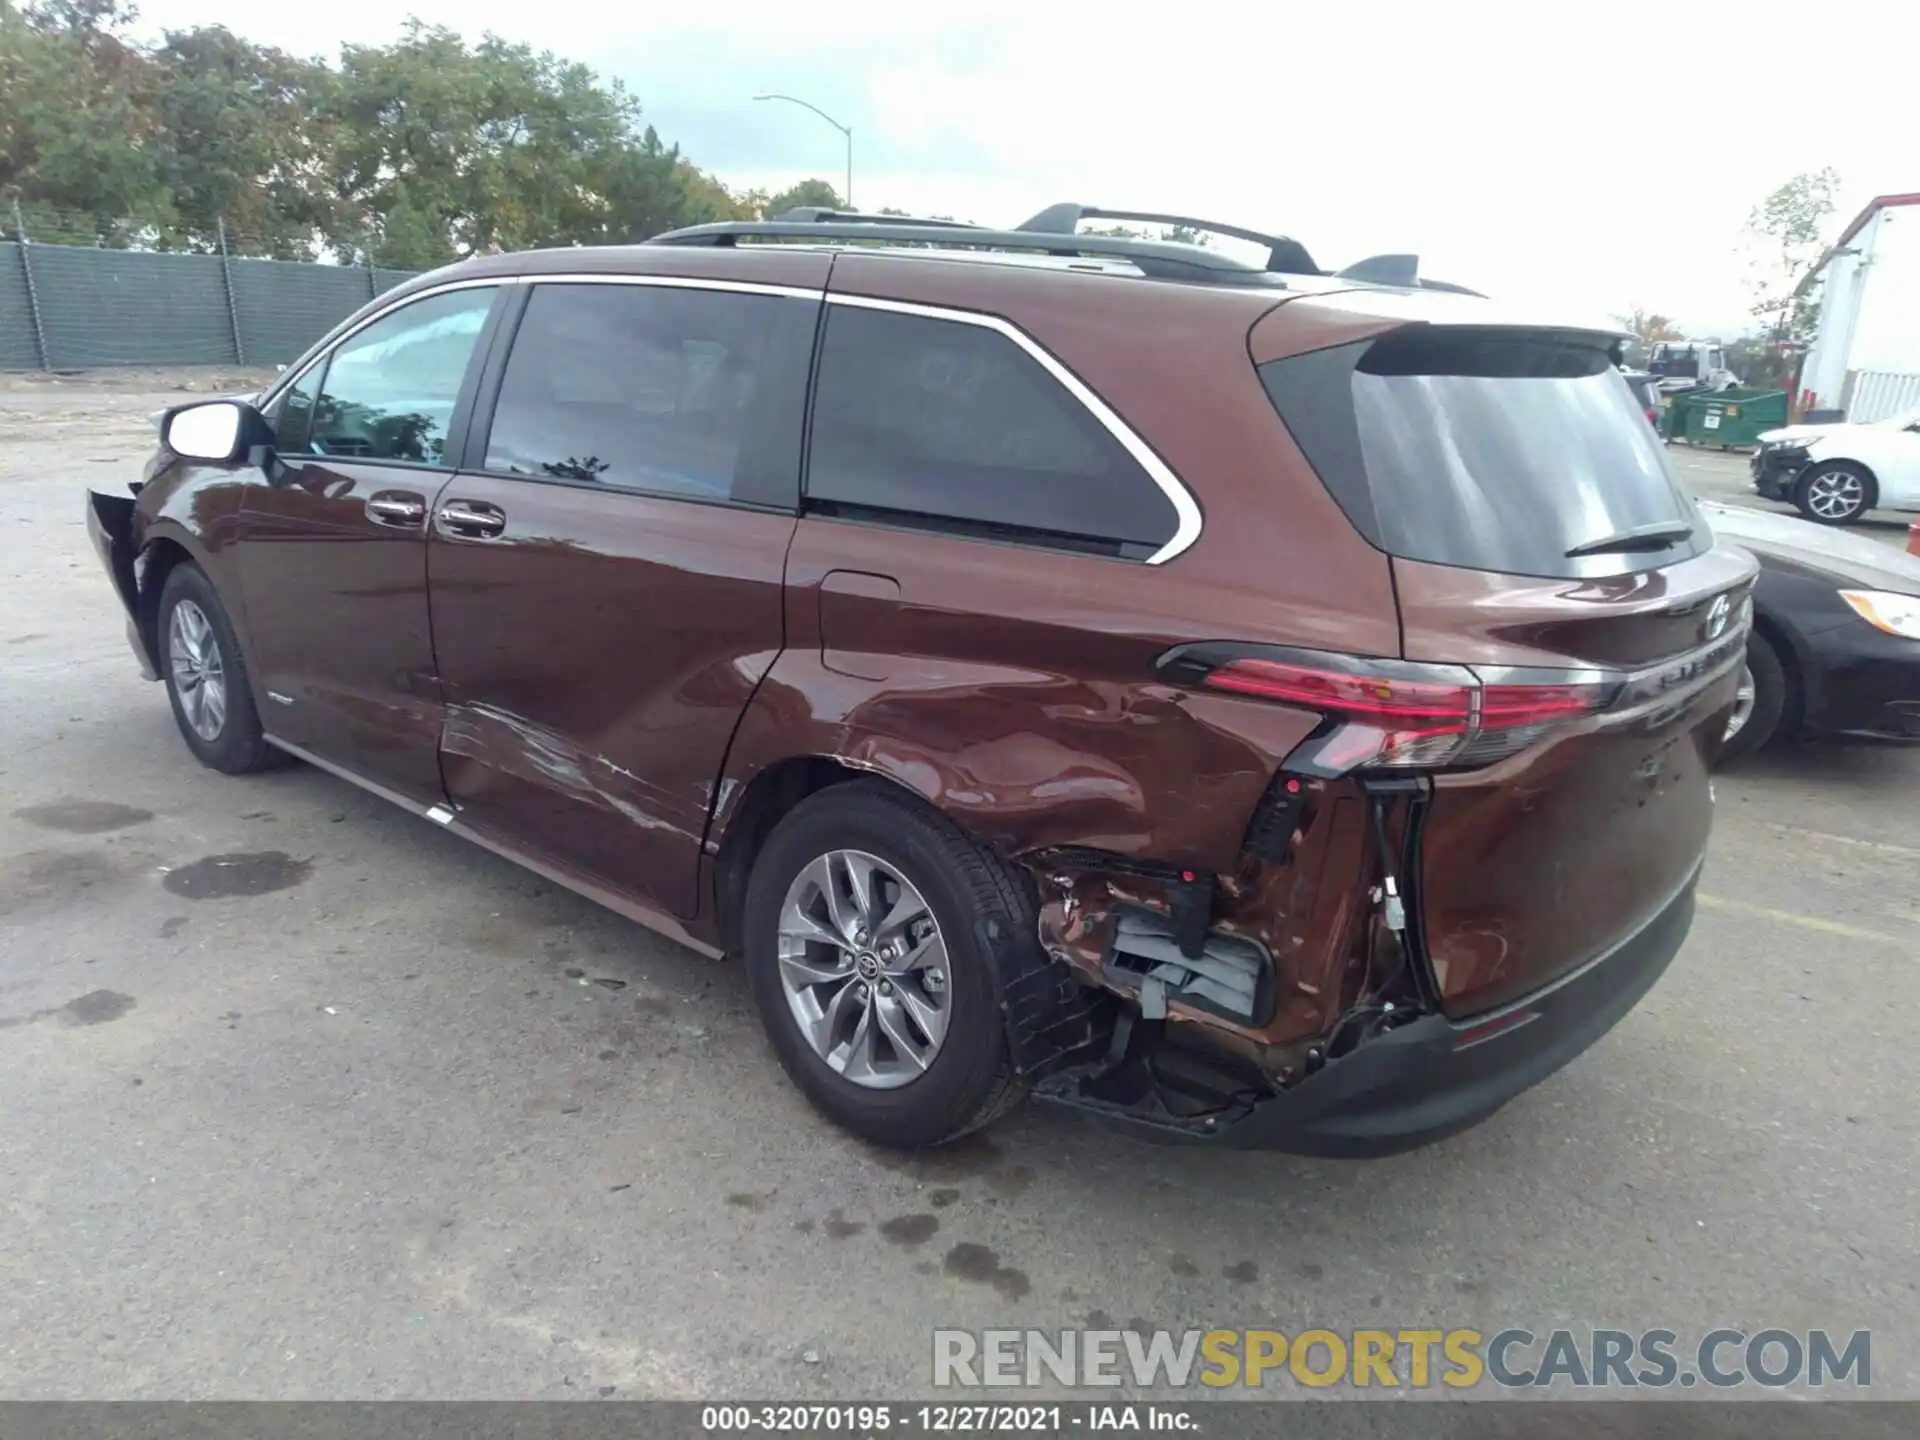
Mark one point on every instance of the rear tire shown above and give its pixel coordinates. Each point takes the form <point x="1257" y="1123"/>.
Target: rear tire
<point x="1769" y="704"/>
<point x="969" y="1079"/>
<point x="206" y="677"/>
<point x="1836" y="493"/>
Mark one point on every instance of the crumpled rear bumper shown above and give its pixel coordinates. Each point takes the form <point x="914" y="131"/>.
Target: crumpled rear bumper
<point x="110" y="528"/>
<point x="1435" y="1077"/>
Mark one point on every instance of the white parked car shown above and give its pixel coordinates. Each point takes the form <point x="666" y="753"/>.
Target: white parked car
<point x="1836" y="473"/>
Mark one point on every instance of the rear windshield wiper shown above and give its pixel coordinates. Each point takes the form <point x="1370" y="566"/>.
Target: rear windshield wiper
<point x="1658" y="536"/>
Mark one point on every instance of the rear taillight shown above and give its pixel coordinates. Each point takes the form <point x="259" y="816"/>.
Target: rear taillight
<point x="1393" y="712"/>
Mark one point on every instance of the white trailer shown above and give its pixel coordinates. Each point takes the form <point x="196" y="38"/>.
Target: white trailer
<point x="1865" y="357"/>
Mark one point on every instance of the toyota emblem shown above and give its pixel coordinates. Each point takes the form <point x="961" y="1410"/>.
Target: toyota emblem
<point x="1718" y="616"/>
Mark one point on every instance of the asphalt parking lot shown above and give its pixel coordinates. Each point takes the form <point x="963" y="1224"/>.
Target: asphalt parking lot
<point x="361" y="1111"/>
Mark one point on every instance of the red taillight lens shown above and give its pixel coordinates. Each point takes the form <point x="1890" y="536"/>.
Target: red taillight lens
<point x="1402" y="721"/>
<point x="1357" y="695"/>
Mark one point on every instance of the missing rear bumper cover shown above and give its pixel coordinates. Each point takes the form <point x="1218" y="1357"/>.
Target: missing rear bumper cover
<point x="1415" y="1084"/>
<point x="1231" y="976"/>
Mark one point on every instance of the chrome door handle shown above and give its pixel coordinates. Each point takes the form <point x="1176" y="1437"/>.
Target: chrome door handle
<point x="471" y="519"/>
<point x="390" y="509"/>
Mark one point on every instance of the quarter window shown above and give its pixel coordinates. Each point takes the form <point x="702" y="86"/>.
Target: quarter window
<point x="293" y="420"/>
<point x="953" y="426"/>
<point x="649" y="388"/>
<point x="389" y="392"/>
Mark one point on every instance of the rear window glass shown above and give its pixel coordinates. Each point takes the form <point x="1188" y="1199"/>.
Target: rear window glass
<point x="1487" y="450"/>
<point x="1674" y="360"/>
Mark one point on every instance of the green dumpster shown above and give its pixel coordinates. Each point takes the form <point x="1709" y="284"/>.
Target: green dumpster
<point x="1675" y="406"/>
<point x="1734" y="417"/>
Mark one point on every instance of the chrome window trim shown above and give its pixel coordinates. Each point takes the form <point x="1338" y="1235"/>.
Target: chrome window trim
<point x="1185" y="507"/>
<point x="333" y="340"/>
<point x="676" y="282"/>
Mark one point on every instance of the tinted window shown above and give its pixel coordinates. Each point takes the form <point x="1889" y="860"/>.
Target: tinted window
<point x="389" y="392"/>
<point x="1674" y="360"/>
<point x="293" y="419"/>
<point x="647" y="387"/>
<point x="1484" y="449"/>
<point x="953" y="423"/>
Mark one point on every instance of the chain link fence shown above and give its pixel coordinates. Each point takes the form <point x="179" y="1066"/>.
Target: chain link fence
<point x="78" y="292"/>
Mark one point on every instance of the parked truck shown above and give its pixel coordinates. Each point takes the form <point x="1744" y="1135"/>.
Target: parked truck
<point x="1690" y="365"/>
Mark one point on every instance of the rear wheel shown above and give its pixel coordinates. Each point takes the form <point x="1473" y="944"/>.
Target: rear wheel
<point x="860" y="944"/>
<point x="1836" y="493"/>
<point x="206" y="676"/>
<point x="1763" y="701"/>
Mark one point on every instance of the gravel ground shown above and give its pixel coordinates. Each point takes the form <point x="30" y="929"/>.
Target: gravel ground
<point x="370" y="1113"/>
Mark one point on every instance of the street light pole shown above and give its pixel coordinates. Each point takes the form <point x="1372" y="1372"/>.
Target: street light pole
<point x="846" y="130"/>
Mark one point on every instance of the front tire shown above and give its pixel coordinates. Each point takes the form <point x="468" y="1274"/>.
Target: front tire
<point x="1836" y="493"/>
<point x="861" y="940"/>
<point x="206" y="677"/>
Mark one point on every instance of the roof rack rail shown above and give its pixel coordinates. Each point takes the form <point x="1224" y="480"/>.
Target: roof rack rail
<point x="1160" y="259"/>
<point x="1285" y="256"/>
<point x="1055" y="231"/>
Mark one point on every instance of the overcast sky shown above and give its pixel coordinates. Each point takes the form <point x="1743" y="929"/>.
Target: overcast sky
<point x="1593" y="153"/>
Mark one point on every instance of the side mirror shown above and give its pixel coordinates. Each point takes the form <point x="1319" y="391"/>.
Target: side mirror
<point x="220" y="431"/>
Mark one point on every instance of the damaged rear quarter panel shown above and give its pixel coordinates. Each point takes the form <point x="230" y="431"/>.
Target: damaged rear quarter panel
<point x="1034" y="719"/>
<point x="1030" y="715"/>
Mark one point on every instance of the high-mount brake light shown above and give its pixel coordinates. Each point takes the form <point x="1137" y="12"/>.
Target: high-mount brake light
<point x="1399" y="713"/>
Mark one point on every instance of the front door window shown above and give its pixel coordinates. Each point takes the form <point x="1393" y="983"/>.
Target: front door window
<point x="388" y="392"/>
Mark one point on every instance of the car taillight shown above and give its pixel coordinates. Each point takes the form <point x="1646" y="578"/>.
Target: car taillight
<point x="1391" y="712"/>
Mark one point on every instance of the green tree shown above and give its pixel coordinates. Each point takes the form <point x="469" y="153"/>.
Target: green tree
<point x="240" y="142"/>
<point x="448" y="151"/>
<point x="806" y="193"/>
<point x="406" y="155"/>
<point x="1648" y="326"/>
<point x="1177" y="234"/>
<point x="1784" y="233"/>
<point x="1762" y="362"/>
<point x="75" y="113"/>
<point x="650" y="187"/>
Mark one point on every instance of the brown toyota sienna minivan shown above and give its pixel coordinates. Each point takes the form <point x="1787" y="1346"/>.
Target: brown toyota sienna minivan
<point x="1249" y="703"/>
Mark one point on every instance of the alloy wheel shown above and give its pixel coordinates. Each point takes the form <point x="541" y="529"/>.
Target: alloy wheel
<point x="864" y="968"/>
<point x="1742" y="705"/>
<point x="199" y="673"/>
<point x="1836" y="495"/>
